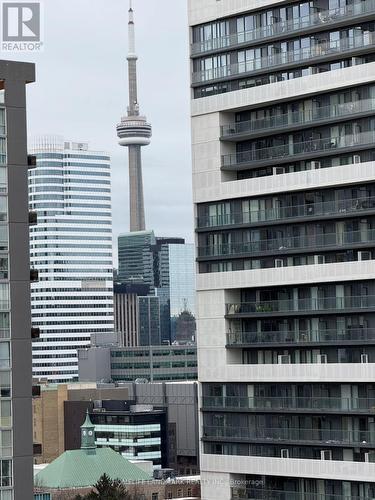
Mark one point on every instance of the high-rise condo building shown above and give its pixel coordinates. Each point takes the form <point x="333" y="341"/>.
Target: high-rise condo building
<point x="283" y="131"/>
<point x="71" y="247"/>
<point x="16" y="433"/>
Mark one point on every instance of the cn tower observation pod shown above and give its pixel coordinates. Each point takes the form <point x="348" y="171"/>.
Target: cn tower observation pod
<point x="134" y="131"/>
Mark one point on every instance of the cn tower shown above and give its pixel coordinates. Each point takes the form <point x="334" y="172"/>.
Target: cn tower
<point x="134" y="132"/>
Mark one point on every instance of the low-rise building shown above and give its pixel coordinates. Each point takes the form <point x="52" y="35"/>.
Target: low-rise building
<point x="153" y="363"/>
<point x="60" y="409"/>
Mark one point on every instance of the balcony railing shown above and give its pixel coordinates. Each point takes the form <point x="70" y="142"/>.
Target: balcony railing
<point x="264" y="494"/>
<point x="301" y="337"/>
<point x="317" y="241"/>
<point x="298" y="118"/>
<point x="328" y="436"/>
<point x="326" y="17"/>
<point x="288" y="403"/>
<point x="303" y="305"/>
<point x="309" y="209"/>
<point x="291" y="57"/>
<point x="290" y="151"/>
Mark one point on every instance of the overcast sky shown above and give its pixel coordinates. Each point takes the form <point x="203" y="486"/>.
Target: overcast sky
<point x="81" y="93"/>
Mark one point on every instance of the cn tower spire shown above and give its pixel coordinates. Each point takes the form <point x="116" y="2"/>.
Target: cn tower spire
<point x="134" y="132"/>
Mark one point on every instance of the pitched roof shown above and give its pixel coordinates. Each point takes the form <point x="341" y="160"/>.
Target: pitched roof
<point x="79" y="469"/>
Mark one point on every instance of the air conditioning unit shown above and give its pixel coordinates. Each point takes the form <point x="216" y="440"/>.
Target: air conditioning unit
<point x="279" y="263"/>
<point x="278" y="170"/>
<point x="315" y="165"/>
<point x="364" y="358"/>
<point x="325" y="455"/>
<point x="369" y="456"/>
<point x="319" y="259"/>
<point x="321" y="358"/>
<point x="356" y="159"/>
<point x="364" y="255"/>
<point x="284" y="453"/>
<point x="283" y="359"/>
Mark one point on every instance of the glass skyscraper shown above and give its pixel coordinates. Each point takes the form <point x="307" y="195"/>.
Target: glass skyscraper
<point x="71" y="247"/>
<point x="167" y="266"/>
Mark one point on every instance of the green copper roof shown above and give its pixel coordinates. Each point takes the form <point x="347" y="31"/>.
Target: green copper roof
<point x="79" y="469"/>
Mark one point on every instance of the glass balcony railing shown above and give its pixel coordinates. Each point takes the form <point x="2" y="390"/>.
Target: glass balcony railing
<point x="303" y="305"/>
<point x="301" y="337"/>
<point x="264" y="494"/>
<point x="298" y="118"/>
<point x="327" y="436"/>
<point x="309" y="209"/>
<point x="291" y="150"/>
<point x="323" y="18"/>
<point x="288" y="403"/>
<point x="291" y="57"/>
<point x="317" y="241"/>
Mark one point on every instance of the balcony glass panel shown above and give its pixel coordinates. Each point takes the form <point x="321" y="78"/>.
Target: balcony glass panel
<point x="290" y="57"/>
<point x="288" y="403"/>
<point x="289" y="212"/>
<point x="264" y="494"/>
<point x="317" y="241"/>
<point x="299" y="148"/>
<point x="302" y="305"/>
<point x="298" y="118"/>
<point x="301" y="337"/>
<point x="325" y="17"/>
<point x="328" y="436"/>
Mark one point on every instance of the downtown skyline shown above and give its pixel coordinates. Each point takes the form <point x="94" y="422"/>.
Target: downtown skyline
<point x="69" y="59"/>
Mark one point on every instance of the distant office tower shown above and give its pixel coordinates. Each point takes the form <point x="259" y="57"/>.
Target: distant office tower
<point x="16" y="433"/>
<point x="72" y="249"/>
<point x="126" y="309"/>
<point x="149" y="320"/>
<point x="167" y="266"/>
<point x="283" y="117"/>
<point x="136" y="258"/>
<point x="182" y="291"/>
<point x="175" y="268"/>
<point x="134" y="132"/>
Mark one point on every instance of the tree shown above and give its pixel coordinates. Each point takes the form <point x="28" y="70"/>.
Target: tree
<point x="107" y="489"/>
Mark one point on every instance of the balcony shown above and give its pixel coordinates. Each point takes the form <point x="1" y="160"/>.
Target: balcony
<point x="320" y="52"/>
<point x="295" y="120"/>
<point x="329" y="437"/>
<point x="309" y="209"/>
<point x="294" y="244"/>
<point x="310" y="305"/>
<point x="268" y="404"/>
<point x="351" y="335"/>
<point x="285" y="153"/>
<point x="325" y="18"/>
<point x="264" y="494"/>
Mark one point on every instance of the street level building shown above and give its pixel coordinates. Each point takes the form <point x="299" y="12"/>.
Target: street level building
<point x="283" y="130"/>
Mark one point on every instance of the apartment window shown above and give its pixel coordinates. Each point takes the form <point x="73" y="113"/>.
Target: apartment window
<point x="155" y="496"/>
